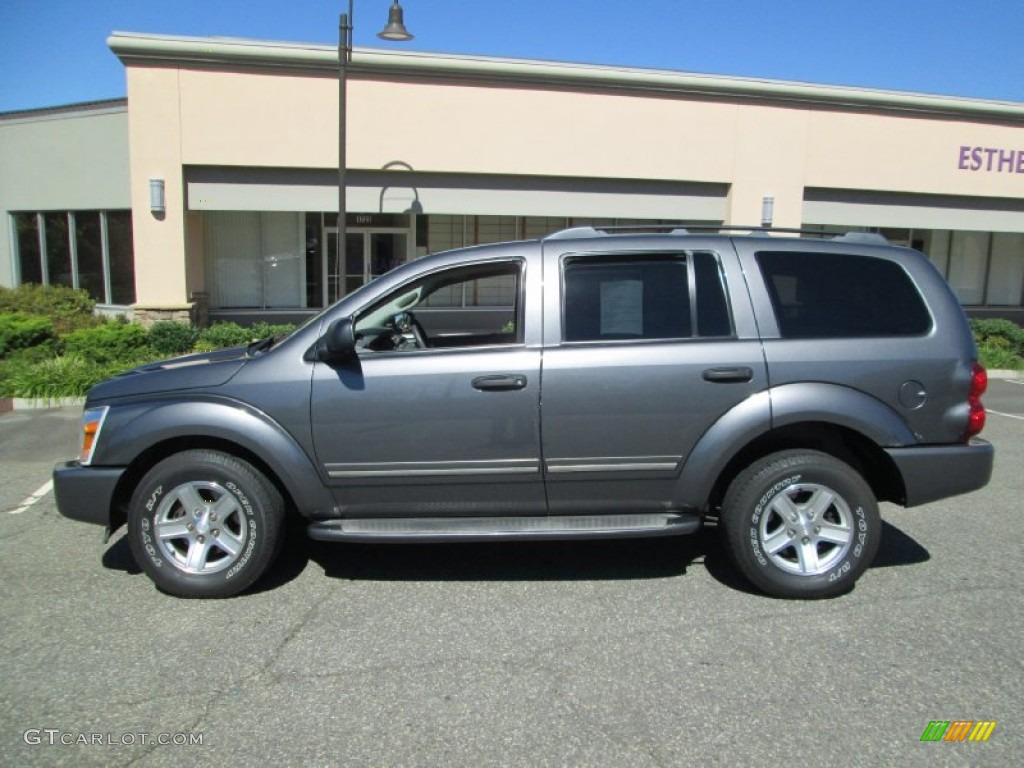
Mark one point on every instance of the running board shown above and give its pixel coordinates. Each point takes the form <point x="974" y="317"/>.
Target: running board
<point x="503" y="528"/>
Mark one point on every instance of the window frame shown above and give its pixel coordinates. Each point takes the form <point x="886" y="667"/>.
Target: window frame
<point x="71" y="218"/>
<point x="687" y="256"/>
<point x="519" y="308"/>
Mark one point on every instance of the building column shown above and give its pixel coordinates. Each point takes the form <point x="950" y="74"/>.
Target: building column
<point x="155" y="142"/>
<point x="769" y="162"/>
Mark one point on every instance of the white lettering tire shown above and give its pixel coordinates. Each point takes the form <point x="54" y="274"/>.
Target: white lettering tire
<point x="800" y="524"/>
<point x="205" y="524"/>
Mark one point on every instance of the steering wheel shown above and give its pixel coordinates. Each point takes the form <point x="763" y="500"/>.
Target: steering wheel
<point x="417" y="331"/>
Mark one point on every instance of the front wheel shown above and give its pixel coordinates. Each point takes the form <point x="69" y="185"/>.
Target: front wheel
<point x="205" y="524"/>
<point x="801" y="524"/>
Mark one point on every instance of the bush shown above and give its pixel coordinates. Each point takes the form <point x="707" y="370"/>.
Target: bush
<point x="111" y="342"/>
<point x="67" y="376"/>
<point x="263" y="330"/>
<point x="220" y="335"/>
<point x="68" y="308"/>
<point x="1000" y="343"/>
<point x="20" y="331"/>
<point x="1001" y="332"/>
<point x="169" y="338"/>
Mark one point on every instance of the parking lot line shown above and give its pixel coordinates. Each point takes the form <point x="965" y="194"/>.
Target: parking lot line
<point x="1008" y="415"/>
<point x="25" y="505"/>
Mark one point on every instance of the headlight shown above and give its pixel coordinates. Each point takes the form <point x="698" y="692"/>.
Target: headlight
<point x="92" y="423"/>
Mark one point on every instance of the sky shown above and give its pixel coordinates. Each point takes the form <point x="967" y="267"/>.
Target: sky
<point x="54" y="51"/>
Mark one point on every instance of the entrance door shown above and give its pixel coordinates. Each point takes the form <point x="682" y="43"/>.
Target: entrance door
<point x="369" y="253"/>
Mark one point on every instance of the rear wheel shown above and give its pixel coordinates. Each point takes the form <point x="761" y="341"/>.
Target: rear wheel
<point x="801" y="524"/>
<point x="205" y="524"/>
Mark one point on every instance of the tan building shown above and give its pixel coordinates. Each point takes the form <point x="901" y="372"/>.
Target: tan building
<point x="241" y="136"/>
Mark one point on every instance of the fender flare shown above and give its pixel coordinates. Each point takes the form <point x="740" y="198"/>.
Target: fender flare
<point x="778" y="407"/>
<point x="132" y="429"/>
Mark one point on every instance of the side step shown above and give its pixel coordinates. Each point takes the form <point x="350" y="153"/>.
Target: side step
<point x="505" y="528"/>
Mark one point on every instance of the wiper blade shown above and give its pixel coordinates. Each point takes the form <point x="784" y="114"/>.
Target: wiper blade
<point x="260" y="346"/>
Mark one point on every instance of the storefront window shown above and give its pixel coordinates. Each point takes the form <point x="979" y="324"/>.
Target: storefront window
<point x="256" y="260"/>
<point x="26" y="226"/>
<point x="968" y="253"/>
<point x="58" y="249"/>
<point x="122" y="257"/>
<point x="1006" y="271"/>
<point x="89" y="249"/>
<point x="77" y="253"/>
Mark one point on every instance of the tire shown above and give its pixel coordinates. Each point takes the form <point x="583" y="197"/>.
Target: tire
<point x="205" y="524"/>
<point x="801" y="524"/>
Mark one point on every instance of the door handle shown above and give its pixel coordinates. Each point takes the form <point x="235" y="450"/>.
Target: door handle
<point x="499" y="383"/>
<point x="738" y="375"/>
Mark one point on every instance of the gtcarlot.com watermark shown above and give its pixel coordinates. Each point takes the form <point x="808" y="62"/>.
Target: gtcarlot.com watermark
<point x="57" y="737"/>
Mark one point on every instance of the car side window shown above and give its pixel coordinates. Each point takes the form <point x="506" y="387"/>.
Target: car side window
<point x="467" y="306"/>
<point x="830" y="295"/>
<point x="645" y="296"/>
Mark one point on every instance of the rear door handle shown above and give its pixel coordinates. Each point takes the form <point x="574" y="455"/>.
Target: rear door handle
<point x="500" y="383"/>
<point x="738" y="375"/>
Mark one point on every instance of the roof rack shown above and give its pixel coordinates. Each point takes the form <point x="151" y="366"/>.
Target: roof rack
<point x="576" y="233"/>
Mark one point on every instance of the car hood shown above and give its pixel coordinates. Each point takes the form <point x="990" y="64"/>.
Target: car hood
<point x="198" y="371"/>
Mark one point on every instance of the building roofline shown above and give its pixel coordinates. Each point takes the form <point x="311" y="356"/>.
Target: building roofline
<point x="134" y="48"/>
<point x="79" y="109"/>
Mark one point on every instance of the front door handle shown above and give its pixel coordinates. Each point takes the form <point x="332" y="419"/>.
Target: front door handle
<point x="738" y="375"/>
<point x="499" y="383"/>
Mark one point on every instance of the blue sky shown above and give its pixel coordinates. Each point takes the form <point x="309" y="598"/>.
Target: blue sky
<point x="54" y="51"/>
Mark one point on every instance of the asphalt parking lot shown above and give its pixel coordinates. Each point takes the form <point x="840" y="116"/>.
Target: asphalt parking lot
<point x="638" y="653"/>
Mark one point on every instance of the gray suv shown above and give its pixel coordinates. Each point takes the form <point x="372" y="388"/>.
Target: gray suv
<point x="591" y="384"/>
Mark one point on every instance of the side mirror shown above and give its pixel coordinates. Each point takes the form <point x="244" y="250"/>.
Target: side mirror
<point x="339" y="343"/>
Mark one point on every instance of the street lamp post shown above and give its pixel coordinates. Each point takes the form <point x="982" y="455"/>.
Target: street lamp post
<point x="395" y="30"/>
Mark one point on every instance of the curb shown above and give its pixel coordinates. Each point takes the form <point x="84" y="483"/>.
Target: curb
<point x="8" y="404"/>
<point x="1006" y="375"/>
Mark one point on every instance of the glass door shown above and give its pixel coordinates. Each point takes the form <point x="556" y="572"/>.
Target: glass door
<point x="342" y="281"/>
<point x="369" y="253"/>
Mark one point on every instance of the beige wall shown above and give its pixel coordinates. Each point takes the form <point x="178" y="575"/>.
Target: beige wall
<point x="284" y="119"/>
<point x="61" y="162"/>
<point x="155" y="148"/>
<point x="906" y="154"/>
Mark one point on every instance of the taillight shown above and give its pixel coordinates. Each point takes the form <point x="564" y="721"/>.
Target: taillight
<point x="976" y="412"/>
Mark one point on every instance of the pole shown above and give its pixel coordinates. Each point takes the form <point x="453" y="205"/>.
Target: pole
<point x="344" y="57"/>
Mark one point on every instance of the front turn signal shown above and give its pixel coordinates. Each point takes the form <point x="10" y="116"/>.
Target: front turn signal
<point x="92" y="423"/>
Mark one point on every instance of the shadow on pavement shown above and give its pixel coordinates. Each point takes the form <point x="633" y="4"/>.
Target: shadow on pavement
<point x="595" y="560"/>
<point x="897" y="548"/>
<point x="118" y="557"/>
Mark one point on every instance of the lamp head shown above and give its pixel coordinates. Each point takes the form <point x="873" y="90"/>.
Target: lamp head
<point x="395" y="30"/>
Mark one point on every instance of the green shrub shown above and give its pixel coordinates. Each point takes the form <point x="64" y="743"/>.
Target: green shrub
<point x="67" y="376"/>
<point x="1002" y="332"/>
<point x="1000" y="343"/>
<point x="20" y="331"/>
<point x="221" y="335"/>
<point x="263" y="330"/>
<point x="68" y="308"/>
<point x="36" y="354"/>
<point x="996" y="354"/>
<point x="111" y="342"/>
<point x="169" y="338"/>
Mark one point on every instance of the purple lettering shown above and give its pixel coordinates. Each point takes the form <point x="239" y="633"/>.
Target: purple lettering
<point x="964" y="152"/>
<point x="990" y="159"/>
<point x="1006" y="160"/>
